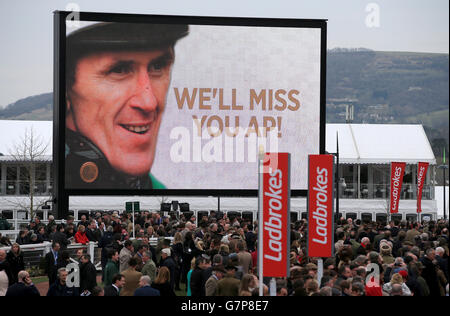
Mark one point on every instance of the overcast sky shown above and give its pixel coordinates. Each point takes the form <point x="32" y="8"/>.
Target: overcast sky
<point x="26" y="28"/>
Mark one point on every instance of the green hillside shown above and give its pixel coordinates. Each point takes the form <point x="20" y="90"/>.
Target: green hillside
<point x="34" y="108"/>
<point x="391" y="87"/>
<point x="403" y="85"/>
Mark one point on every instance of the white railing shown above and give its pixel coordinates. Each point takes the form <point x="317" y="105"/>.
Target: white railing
<point x="34" y="252"/>
<point x="40" y="250"/>
<point x="11" y="234"/>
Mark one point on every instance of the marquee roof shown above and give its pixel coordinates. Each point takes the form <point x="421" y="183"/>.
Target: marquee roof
<point x="379" y="143"/>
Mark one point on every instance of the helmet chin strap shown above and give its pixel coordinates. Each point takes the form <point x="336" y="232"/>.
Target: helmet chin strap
<point x="87" y="167"/>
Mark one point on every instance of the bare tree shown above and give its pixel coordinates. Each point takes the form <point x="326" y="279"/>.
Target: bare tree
<point x="26" y="153"/>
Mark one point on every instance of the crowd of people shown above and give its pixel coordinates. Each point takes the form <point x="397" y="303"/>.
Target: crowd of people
<point x="219" y="258"/>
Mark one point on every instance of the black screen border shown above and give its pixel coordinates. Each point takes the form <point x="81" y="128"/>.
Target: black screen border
<point x="61" y="193"/>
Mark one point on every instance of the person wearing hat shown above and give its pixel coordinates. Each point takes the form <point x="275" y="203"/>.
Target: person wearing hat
<point x="229" y="285"/>
<point x="117" y="79"/>
<point x="218" y="273"/>
<point x="386" y="253"/>
<point x="404" y="274"/>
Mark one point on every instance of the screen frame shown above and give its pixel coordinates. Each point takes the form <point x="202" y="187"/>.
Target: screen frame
<point x="62" y="193"/>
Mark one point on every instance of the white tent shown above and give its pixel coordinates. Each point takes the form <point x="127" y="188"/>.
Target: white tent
<point x="379" y="143"/>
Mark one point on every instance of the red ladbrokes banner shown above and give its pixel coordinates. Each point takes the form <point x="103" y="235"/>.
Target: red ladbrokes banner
<point x="276" y="214"/>
<point x="320" y="206"/>
<point x="421" y="176"/>
<point x="397" y="172"/>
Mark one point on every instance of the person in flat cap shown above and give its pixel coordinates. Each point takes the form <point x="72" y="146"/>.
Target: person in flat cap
<point x="229" y="284"/>
<point x="218" y="273"/>
<point x="117" y="79"/>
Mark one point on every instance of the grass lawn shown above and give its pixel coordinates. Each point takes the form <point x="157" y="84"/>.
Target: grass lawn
<point x="41" y="279"/>
<point x="183" y="290"/>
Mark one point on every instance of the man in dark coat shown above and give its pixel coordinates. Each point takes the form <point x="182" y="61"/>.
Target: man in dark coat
<point x="24" y="287"/>
<point x="60" y="288"/>
<point x="92" y="232"/>
<point x="50" y="225"/>
<point x="111" y="268"/>
<point x="38" y="224"/>
<point x="51" y="263"/>
<point x="23" y="238"/>
<point x="394" y="228"/>
<point x="217" y="261"/>
<point x="197" y="284"/>
<point x="167" y="261"/>
<point x="106" y="245"/>
<point x="250" y="237"/>
<point x="118" y="282"/>
<point x="441" y="261"/>
<point x="145" y="288"/>
<point x="83" y="221"/>
<point x="60" y="237"/>
<point x="429" y="272"/>
<point x="88" y="274"/>
<point x="202" y="231"/>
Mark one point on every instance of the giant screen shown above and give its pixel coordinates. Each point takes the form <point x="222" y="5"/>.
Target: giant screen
<point x="156" y="104"/>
